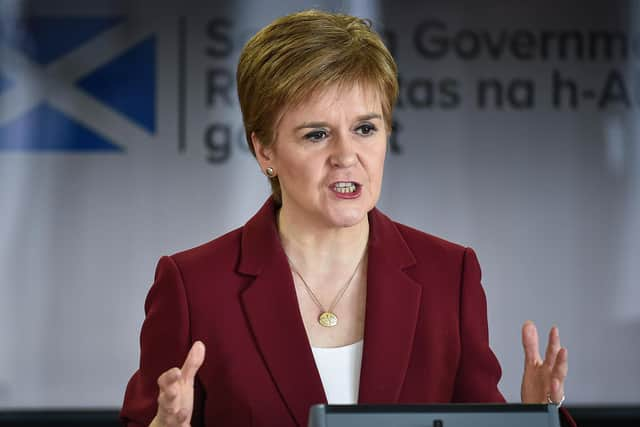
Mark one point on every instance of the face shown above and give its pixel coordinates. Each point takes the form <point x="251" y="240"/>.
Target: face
<point x="329" y="157"/>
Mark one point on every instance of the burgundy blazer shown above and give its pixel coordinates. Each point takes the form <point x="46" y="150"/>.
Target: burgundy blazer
<point x="425" y="336"/>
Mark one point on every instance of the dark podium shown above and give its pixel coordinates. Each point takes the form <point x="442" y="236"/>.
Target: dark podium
<point x="450" y="415"/>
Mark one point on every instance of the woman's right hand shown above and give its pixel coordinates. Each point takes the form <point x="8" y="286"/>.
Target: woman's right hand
<point x="175" y="399"/>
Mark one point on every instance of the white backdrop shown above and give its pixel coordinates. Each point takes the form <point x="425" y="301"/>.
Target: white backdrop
<point x="128" y="144"/>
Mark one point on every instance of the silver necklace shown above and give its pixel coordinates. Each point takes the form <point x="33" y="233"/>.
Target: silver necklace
<point x="327" y="318"/>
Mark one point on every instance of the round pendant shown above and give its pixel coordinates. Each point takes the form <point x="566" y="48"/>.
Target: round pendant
<point x="328" y="319"/>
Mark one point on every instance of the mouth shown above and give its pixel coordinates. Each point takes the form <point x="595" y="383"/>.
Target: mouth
<point x="346" y="188"/>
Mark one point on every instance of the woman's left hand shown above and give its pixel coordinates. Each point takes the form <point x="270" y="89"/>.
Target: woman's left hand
<point x="543" y="380"/>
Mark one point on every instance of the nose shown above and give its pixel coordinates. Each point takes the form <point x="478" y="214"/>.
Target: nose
<point x="343" y="153"/>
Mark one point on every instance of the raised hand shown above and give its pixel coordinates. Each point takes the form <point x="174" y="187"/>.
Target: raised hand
<point x="543" y="380"/>
<point x="175" y="399"/>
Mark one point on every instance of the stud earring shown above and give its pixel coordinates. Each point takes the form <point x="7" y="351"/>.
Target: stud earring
<point x="270" y="172"/>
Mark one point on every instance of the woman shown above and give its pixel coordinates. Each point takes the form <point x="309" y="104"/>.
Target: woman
<point x="319" y="297"/>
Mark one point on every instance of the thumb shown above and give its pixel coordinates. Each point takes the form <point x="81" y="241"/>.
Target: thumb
<point x="193" y="361"/>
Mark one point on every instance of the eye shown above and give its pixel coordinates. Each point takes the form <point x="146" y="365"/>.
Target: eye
<point x="366" y="129"/>
<point x="316" y="135"/>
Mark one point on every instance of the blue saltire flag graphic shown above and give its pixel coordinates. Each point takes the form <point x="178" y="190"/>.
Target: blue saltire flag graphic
<point x="126" y="84"/>
<point x="4" y="83"/>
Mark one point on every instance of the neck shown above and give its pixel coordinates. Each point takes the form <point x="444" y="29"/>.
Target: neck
<point x="321" y="250"/>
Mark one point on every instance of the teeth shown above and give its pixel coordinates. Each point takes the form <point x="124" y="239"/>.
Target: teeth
<point x="344" y="187"/>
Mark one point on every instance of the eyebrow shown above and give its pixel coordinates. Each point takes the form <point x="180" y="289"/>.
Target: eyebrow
<point x="310" y="125"/>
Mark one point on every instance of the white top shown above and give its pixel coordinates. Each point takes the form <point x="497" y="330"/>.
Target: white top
<point x="339" y="369"/>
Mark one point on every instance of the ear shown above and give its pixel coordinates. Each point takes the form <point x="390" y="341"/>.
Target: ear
<point x="264" y="155"/>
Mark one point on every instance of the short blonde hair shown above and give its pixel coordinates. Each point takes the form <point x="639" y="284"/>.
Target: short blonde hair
<point x="299" y="54"/>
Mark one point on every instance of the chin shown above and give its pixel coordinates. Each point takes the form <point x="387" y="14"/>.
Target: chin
<point x="348" y="218"/>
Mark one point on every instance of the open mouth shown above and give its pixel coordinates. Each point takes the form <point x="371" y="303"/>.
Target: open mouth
<point x="345" y="187"/>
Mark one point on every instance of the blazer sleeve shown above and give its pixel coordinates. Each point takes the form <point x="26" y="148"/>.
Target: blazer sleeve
<point x="165" y="340"/>
<point x="478" y="369"/>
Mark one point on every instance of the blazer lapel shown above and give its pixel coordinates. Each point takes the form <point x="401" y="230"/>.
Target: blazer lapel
<point x="392" y="310"/>
<point x="271" y="308"/>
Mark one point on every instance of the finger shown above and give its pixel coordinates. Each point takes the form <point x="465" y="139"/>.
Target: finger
<point x="168" y="396"/>
<point x="194" y="360"/>
<point x="557" y="391"/>
<point x="168" y="406"/>
<point x="182" y="416"/>
<point x="168" y="418"/>
<point x="169" y="377"/>
<point x="170" y="393"/>
<point x="558" y="375"/>
<point x="553" y="347"/>
<point x="561" y="367"/>
<point x="530" y="343"/>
